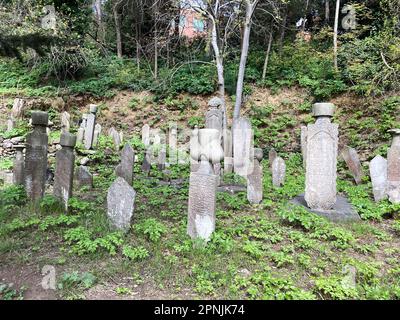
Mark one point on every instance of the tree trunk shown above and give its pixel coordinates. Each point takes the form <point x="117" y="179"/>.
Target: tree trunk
<point x="243" y="58"/>
<point x="220" y="69"/>
<point x="267" y="57"/>
<point x="117" y="30"/>
<point x="327" y="11"/>
<point x="283" y="29"/>
<point x="335" y="35"/>
<point x="99" y="20"/>
<point x="155" y="39"/>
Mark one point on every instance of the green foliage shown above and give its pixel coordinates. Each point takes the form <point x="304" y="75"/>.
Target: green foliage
<point x="332" y="287"/>
<point x="11" y="198"/>
<point x="135" y="253"/>
<point x="84" y="280"/>
<point x="152" y="228"/>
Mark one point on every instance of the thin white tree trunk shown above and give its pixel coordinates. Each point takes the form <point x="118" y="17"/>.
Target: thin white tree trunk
<point x="267" y="57"/>
<point x="335" y="35"/>
<point x="117" y="30"/>
<point x="243" y="59"/>
<point x="327" y="11"/>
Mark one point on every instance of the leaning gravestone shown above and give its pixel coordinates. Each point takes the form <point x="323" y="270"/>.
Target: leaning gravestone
<point x="90" y="125"/>
<point x="278" y="172"/>
<point x="322" y="149"/>
<point x="378" y="171"/>
<point x="394" y="168"/>
<point x="242" y="147"/>
<point x="125" y="168"/>
<point x="83" y="177"/>
<point x="64" y="174"/>
<point x="146" y="165"/>
<point x="254" y="179"/>
<point x="203" y="185"/>
<point x="120" y="204"/>
<point x="36" y="156"/>
<point x="303" y="140"/>
<point x="352" y="160"/>
<point x="19" y="165"/>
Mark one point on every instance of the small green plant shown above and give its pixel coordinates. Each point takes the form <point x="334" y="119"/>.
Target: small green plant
<point x="135" y="253"/>
<point x="152" y="228"/>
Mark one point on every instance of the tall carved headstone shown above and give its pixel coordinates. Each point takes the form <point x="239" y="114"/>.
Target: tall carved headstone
<point x="120" y="204"/>
<point x="90" y="125"/>
<point x="36" y="156"/>
<point x="321" y="165"/>
<point x="278" y="172"/>
<point x="203" y="185"/>
<point x="19" y="166"/>
<point x="243" y="148"/>
<point x="254" y="179"/>
<point x="214" y="121"/>
<point x="393" y="162"/>
<point x="352" y="160"/>
<point x="378" y="170"/>
<point x="303" y="141"/>
<point x="125" y="168"/>
<point x="64" y="174"/>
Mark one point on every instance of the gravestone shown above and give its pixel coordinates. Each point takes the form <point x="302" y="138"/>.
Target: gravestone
<point x="115" y="137"/>
<point x="64" y="174"/>
<point x="228" y="159"/>
<point x="146" y="165"/>
<point x="97" y="132"/>
<point x="254" y="179"/>
<point x="214" y="115"/>
<point x="271" y="157"/>
<point x="83" y="177"/>
<point x="162" y="159"/>
<point x="322" y="146"/>
<point x="303" y="140"/>
<point x="203" y="185"/>
<point x="125" y="168"/>
<point x="120" y="204"/>
<point x="19" y="165"/>
<point x="393" y="162"/>
<point x="194" y="147"/>
<point x="242" y="147"/>
<point x="80" y="134"/>
<point x="18" y="109"/>
<point x="89" y="128"/>
<point x="65" y="121"/>
<point x="378" y="170"/>
<point x="278" y="172"/>
<point x="36" y="156"/>
<point x="352" y="160"/>
<point x="146" y="135"/>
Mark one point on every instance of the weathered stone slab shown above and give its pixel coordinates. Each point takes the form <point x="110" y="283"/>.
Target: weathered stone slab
<point x="97" y="132"/>
<point x="242" y="147"/>
<point x="146" y="165"/>
<point x="378" y="171"/>
<point x="65" y="121"/>
<point x="120" y="204"/>
<point x="146" y="135"/>
<point x="278" y="172"/>
<point x="322" y="146"/>
<point x="352" y="160"/>
<point x="80" y="134"/>
<point x="214" y="115"/>
<point x="254" y="180"/>
<point x="19" y="166"/>
<point x="83" y="177"/>
<point x="89" y="128"/>
<point x="36" y="156"/>
<point x="125" y="168"/>
<point x="227" y="143"/>
<point x="394" y="168"/>
<point x="115" y="137"/>
<point x="272" y="156"/>
<point x="162" y="159"/>
<point x="202" y="202"/>
<point x="18" y="108"/>
<point x="64" y="174"/>
<point x="342" y="210"/>
<point x="303" y="140"/>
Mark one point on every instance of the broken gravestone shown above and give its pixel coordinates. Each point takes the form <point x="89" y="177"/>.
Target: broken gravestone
<point x="278" y="172"/>
<point x="254" y="179"/>
<point x="352" y="160"/>
<point x="19" y="165"/>
<point x="378" y="172"/>
<point x="125" y="168"/>
<point x="83" y="177"/>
